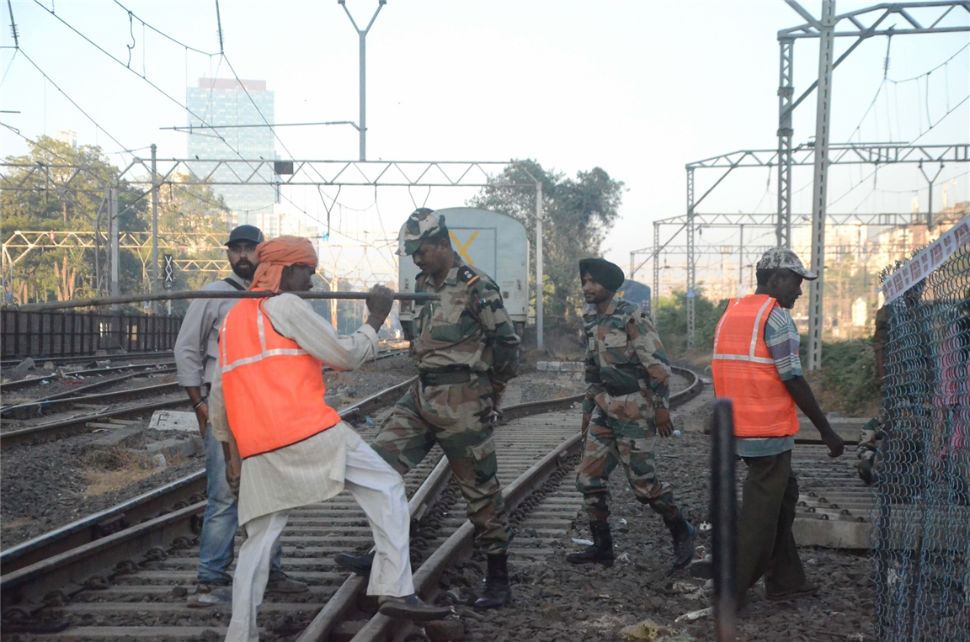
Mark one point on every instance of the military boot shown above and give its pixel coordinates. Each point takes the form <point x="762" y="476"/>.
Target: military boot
<point x="497" y="591"/>
<point x="683" y="534"/>
<point x="600" y="552"/>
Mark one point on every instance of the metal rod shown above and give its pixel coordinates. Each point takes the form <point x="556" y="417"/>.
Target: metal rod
<point x="207" y="294"/>
<point x="724" y="516"/>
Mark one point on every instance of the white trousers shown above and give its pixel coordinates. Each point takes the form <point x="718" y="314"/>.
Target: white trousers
<point x="379" y="490"/>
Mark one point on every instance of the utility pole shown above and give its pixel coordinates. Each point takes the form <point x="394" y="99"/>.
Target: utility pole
<point x="540" y="343"/>
<point x="362" y="65"/>
<point x="114" y="289"/>
<point x="153" y="276"/>
<point x="822" y="116"/>
<point x="929" y="209"/>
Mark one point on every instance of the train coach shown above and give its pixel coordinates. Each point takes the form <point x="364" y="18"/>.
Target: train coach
<point x="491" y="241"/>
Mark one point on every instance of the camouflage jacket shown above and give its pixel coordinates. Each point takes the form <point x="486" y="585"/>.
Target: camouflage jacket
<point x="468" y="326"/>
<point x="624" y="352"/>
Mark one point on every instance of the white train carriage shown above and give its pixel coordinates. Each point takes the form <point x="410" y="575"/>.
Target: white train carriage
<point x="493" y="242"/>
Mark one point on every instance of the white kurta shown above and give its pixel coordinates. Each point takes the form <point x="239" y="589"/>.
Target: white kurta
<point x="313" y="469"/>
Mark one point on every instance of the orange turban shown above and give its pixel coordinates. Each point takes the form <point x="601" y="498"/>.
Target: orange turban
<point x="274" y="255"/>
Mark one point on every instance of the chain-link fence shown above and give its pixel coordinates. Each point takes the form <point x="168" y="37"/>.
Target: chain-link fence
<point x="922" y="539"/>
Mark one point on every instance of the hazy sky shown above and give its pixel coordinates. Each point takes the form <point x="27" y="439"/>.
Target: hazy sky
<point x="637" y="87"/>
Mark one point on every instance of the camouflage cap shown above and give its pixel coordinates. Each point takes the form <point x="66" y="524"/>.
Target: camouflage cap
<point x="421" y="225"/>
<point x="782" y="258"/>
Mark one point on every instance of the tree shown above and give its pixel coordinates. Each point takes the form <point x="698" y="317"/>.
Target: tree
<point x="575" y="216"/>
<point x="62" y="189"/>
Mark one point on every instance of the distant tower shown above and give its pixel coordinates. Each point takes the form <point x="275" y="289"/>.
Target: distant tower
<point x="224" y="101"/>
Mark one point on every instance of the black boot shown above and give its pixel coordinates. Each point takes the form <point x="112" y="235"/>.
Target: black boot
<point x="497" y="591"/>
<point x="600" y="552"/>
<point x="359" y="565"/>
<point x="683" y="535"/>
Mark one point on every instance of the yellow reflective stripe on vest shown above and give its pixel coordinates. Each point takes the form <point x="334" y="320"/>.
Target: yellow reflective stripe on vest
<point x="750" y="357"/>
<point x="264" y="353"/>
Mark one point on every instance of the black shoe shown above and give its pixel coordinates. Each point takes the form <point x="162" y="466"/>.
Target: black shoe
<point x="411" y="607"/>
<point x="281" y="583"/>
<point x="601" y="552"/>
<point x="683" y="535"/>
<point x="359" y="565"/>
<point x="497" y="591"/>
<point x="702" y="569"/>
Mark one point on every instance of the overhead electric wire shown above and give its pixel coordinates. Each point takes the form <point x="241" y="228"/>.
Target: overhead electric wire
<point x="169" y="96"/>
<point x="71" y="100"/>
<point x="165" y="35"/>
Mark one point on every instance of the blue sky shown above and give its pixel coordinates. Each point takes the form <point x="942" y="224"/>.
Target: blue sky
<point x="637" y="87"/>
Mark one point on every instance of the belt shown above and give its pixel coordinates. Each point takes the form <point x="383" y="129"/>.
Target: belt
<point x="445" y="376"/>
<point x="619" y="391"/>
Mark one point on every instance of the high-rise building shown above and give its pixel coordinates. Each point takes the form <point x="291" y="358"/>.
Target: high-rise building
<point x="226" y="101"/>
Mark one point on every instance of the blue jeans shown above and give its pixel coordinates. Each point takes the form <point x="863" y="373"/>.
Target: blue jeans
<point x="220" y="521"/>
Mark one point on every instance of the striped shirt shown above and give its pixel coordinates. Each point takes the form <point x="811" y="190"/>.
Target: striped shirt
<point x="781" y="337"/>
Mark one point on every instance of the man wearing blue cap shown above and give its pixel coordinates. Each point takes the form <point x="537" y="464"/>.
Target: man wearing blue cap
<point x="196" y="358"/>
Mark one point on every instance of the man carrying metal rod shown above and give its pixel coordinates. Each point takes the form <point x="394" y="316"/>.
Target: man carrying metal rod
<point x="466" y="350"/>
<point x="285" y="447"/>
<point x="196" y="360"/>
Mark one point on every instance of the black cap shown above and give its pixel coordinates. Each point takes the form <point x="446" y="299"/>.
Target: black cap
<point x="249" y="233"/>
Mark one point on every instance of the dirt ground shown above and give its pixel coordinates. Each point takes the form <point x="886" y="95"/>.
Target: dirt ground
<point x="561" y="602"/>
<point x="50" y="485"/>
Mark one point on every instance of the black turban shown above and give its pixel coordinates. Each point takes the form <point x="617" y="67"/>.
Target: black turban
<point x="607" y="274"/>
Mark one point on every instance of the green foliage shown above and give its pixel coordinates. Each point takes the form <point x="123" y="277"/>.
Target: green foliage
<point x="61" y="190"/>
<point x="60" y="193"/>
<point x="846" y="382"/>
<point x="575" y="215"/>
<point x="671" y="321"/>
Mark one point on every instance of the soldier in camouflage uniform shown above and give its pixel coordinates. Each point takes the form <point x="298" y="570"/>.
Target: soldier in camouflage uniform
<point x="466" y="349"/>
<point x="627" y="403"/>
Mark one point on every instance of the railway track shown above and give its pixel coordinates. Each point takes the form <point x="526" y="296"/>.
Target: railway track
<point x="132" y="583"/>
<point x="74" y="411"/>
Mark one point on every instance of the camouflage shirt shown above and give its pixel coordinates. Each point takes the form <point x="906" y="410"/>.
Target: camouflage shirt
<point x="468" y="326"/>
<point x="624" y="353"/>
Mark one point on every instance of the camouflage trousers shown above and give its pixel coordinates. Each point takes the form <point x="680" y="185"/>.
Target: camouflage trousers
<point x="620" y="432"/>
<point x="454" y="416"/>
<point x="870" y="440"/>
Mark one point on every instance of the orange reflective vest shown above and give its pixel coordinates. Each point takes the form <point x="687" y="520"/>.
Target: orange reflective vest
<point x="274" y="390"/>
<point x="745" y="373"/>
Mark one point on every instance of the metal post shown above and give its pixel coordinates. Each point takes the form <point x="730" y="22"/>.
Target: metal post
<point x="656" y="269"/>
<point x="822" y="116"/>
<point x="785" y="107"/>
<point x="724" y="540"/>
<point x="114" y="288"/>
<point x="153" y="274"/>
<point x="929" y="209"/>
<point x="741" y="263"/>
<point x="362" y="65"/>
<point x="540" y="343"/>
<point x="691" y="272"/>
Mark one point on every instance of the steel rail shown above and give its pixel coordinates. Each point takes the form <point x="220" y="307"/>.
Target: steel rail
<point x="459" y="542"/>
<point x="63" y="555"/>
<point x="46" y="403"/>
<point x="38" y="379"/>
<point x="57" y="428"/>
<point x="86" y="358"/>
<point x="27" y="585"/>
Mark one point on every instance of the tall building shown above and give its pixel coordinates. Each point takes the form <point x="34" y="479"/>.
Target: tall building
<point x="227" y="101"/>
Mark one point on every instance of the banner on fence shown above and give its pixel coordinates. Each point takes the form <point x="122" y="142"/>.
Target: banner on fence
<point x="927" y="260"/>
